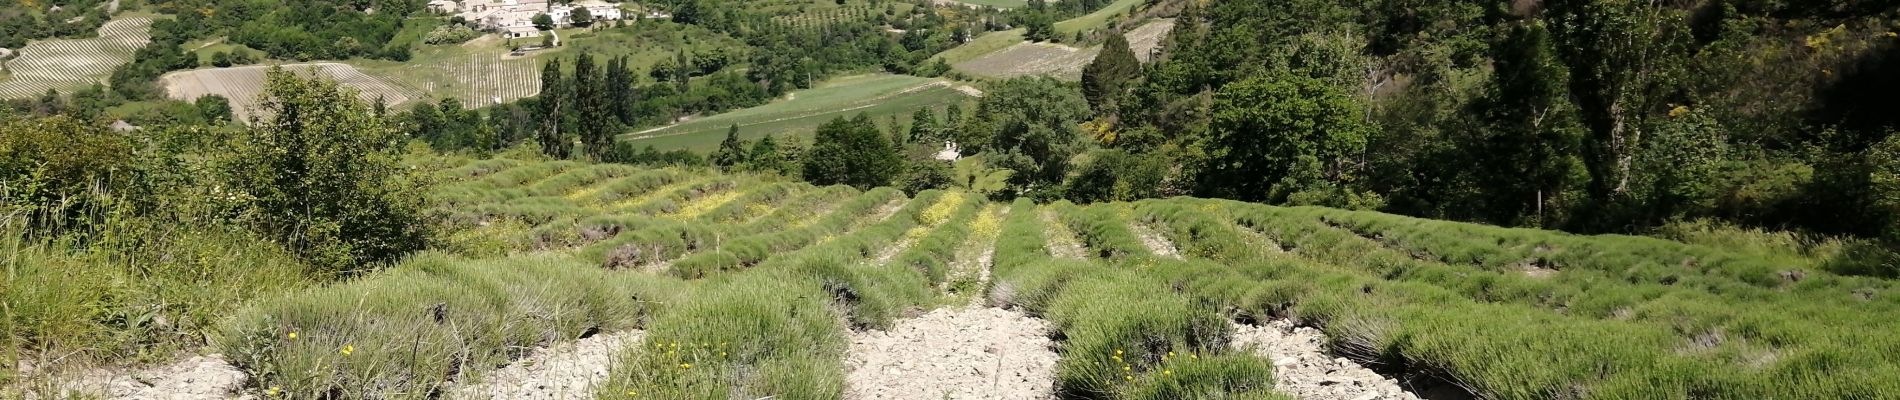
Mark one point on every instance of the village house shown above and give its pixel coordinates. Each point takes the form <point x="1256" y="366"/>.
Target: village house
<point x="515" y="18"/>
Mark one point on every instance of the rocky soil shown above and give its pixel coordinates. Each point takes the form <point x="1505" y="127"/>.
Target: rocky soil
<point x="564" y="371"/>
<point x="1302" y="368"/>
<point x="195" y="378"/>
<point x="954" y="353"/>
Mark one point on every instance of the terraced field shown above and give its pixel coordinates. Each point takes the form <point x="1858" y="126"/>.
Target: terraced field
<point x="572" y="280"/>
<point x="879" y="95"/>
<point x="71" y="64"/>
<point x="1060" y="61"/>
<point x="243" y="84"/>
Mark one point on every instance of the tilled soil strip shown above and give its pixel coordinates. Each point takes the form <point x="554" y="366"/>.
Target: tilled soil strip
<point x="1302" y="368"/>
<point x="569" y="370"/>
<point x="954" y="353"/>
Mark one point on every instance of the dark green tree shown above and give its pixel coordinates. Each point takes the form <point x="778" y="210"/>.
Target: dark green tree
<point x="852" y="152"/>
<point x="1103" y="78"/>
<point x="1030" y="124"/>
<point x="214" y="108"/>
<point x="554" y="103"/>
<point x="1278" y="135"/>
<point x="767" y="157"/>
<point x="543" y="22"/>
<point x="731" y="152"/>
<point x="322" y="176"/>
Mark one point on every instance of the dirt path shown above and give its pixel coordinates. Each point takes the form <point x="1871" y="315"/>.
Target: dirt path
<point x="1061" y="241"/>
<point x="198" y="377"/>
<point x="564" y="371"/>
<point x="1302" y="368"/>
<point x="954" y="353"/>
<point x="1153" y="240"/>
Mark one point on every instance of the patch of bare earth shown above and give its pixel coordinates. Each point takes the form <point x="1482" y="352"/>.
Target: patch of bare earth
<point x="1303" y="369"/>
<point x="1061" y="241"/>
<point x="1155" y="242"/>
<point x="1145" y="39"/>
<point x="568" y="370"/>
<point x="198" y="377"/>
<point x="961" y="353"/>
<point x="1031" y="58"/>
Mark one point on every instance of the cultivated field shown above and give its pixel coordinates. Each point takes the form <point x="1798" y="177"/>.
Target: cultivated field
<point x="571" y="280"/>
<point x="70" y="64"/>
<point x="801" y="112"/>
<point x="1060" y="61"/>
<point x="243" y="84"/>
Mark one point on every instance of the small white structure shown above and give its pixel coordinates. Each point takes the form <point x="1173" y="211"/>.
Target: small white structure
<point x="517" y="32"/>
<point x="508" y="16"/>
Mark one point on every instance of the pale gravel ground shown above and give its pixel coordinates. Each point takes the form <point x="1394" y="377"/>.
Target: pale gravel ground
<point x="1061" y="241"/>
<point x="1154" y="240"/>
<point x="954" y="353"/>
<point x="1302" y="368"/>
<point x="569" y="370"/>
<point x="198" y="377"/>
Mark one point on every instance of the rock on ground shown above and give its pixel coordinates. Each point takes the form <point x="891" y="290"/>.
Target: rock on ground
<point x="564" y="371"/>
<point x="1302" y="368"/>
<point x="954" y="353"/>
<point x="195" y="378"/>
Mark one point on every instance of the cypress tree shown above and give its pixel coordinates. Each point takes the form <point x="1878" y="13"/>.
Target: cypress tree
<point x="1102" y="79"/>
<point x="731" y="151"/>
<point x="552" y="104"/>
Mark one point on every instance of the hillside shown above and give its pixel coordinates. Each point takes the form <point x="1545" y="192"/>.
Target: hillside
<point x="799" y="113"/>
<point x="679" y="282"/>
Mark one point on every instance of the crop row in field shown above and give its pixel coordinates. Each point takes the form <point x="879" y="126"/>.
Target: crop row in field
<point x="746" y="280"/>
<point x="243" y="85"/>
<point x="69" y="64"/>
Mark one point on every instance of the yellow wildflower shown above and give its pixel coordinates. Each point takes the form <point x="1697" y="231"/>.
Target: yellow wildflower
<point x="293" y="335"/>
<point x="1167" y="372"/>
<point x="686" y="366"/>
<point x="273" y="391"/>
<point x="347" y="349"/>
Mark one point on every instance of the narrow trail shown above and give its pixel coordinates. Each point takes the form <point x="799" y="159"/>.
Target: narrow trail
<point x="966" y="352"/>
<point x="1303" y="369"/>
<point x="1153" y="240"/>
<point x="567" y="370"/>
<point x="954" y="353"/>
<point x="1062" y="241"/>
<point x="198" y="377"/>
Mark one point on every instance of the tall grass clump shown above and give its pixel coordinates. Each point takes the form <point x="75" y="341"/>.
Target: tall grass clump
<point x="402" y="332"/>
<point x="763" y="333"/>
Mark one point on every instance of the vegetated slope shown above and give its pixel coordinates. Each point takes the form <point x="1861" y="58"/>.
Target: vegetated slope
<point x="242" y="85"/>
<point x="69" y="64"/>
<point x="746" y="287"/>
<point x="879" y="95"/>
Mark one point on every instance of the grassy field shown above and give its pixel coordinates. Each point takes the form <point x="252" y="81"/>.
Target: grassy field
<point x="879" y="95"/>
<point x="71" y="64"/>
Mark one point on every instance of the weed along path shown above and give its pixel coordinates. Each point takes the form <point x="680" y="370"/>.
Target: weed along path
<point x="1303" y="369"/>
<point x="564" y="371"/>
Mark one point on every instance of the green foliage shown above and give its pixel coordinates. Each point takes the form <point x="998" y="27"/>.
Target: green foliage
<point x="320" y="175"/>
<point x="1029" y="125"/>
<point x="975" y="175"/>
<point x="732" y="151"/>
<point x="1103" y="78"/>
<point x="852" y="152"/>
<point x="1276" y="136"/>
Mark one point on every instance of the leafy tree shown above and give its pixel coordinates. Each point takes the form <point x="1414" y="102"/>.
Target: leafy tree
<point x="214" y="108"/>
<point x="1103" y="78"/>
<point x="767" y="157"/>
<point x="1030" y="125"/>
<point x="928" y="174"/>
<point x="925" y="129"/>
<point x="581" y="17"/>
<point x="852" y="152"/>
<point x="732" y="151"/>
<point x="543" y="22"/>
<point x="1277" y="135"/>
<point x="322" y="176"/>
